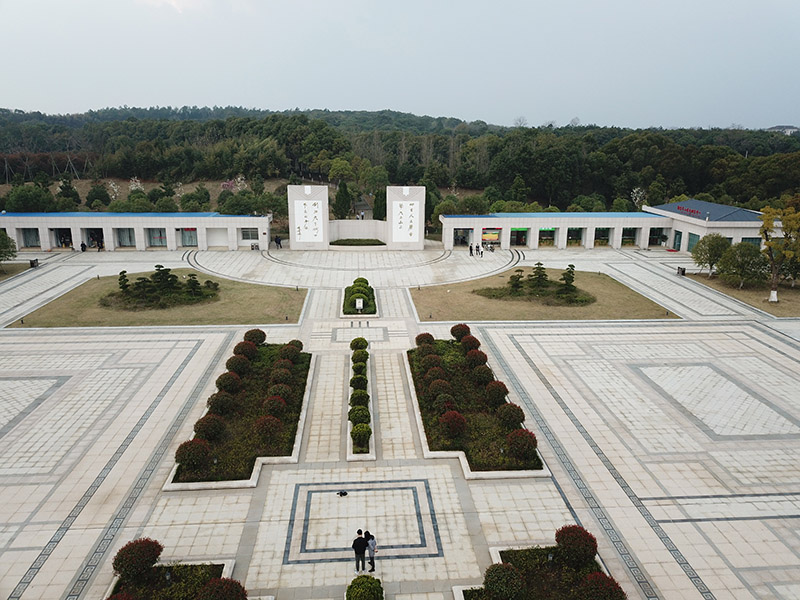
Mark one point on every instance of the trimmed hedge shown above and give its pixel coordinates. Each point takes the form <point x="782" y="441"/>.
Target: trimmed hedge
<point x="229" y="382"/>
<point x="576" y="546"/>
<point x="193" y="455"/>
<point x="364" y="587"/>
<point x="359" y="398"/>
<point x="246" y="349"/>
<point x="210" y="427"/>
<point x="222" y="588"/>
<point x="358" y="414"/>
<point x="360" y="435"/>
<point x="358" y="343"/>
<point x="135" y="559"/>
<point x="423" y="338"/>
<point x="503" y="582"/>
<point x="239" y="364"/>
<point x="256" y="336"/>
<point x="359" y="289"/>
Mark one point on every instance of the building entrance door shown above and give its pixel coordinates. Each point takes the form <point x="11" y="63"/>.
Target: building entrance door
<point x="676" y="243"/>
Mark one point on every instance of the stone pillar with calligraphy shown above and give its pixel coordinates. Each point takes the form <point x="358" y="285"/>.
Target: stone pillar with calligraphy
<point x="308" y="217"/>
<point x="405" y="217"/>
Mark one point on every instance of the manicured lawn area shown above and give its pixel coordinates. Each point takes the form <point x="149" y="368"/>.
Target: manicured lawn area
<point x="238" y="304"/>
<point x="10" y="269"/>
<point x="789" y="299"/>
<point x="455" y="302"/>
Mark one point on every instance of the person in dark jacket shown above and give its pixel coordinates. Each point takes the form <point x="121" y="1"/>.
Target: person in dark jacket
<point x="360" y="548"/>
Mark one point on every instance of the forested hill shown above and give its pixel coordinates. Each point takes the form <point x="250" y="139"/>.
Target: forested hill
<point x="559" y="167"/>
<point x="348" y="120"/>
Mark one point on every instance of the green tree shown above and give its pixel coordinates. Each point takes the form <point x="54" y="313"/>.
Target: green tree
<point x="124" y="283"/>
<point x="379" y="205"/>
<point x="30" y="198"/>
<point x="537" y="279"/>
<point x="620" y="205"/>
<point x="515" y="281"/>
<point x="341" y="170"/>
<point x="568" y="277"/>
<point x="8" y="249"/>
<point x="708" y="251"/>
<point x="98" y="192"/>
<point x="193" y="286"/>
<point x="743" y="264"/>
<point x="518" y="192"/>
<point x="779" y="248"/>
<point x="166" y="205"/>
<point x="67" y="191"/>
<point x="343" y="202"/>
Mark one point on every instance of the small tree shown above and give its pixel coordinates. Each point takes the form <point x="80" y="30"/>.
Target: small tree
<point x="537" y="279"/>
<point x="8" y="249"/>
<point x="568" y="277"/>
<point x="341" y="206"/>
<point x="779" y="248"/>
<point x="515" y="281"/>
<point x="135" y="559"/>
<point x="743" y="264"/>
<point x="709" y="250"/>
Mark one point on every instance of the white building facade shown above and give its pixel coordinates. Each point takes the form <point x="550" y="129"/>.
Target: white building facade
<point x="136" y="231"/>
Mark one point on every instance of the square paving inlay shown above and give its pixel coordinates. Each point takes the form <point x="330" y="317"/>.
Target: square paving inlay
<point x="323" y="524"/>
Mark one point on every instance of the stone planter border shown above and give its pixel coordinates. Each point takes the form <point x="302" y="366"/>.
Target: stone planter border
<point x="227" y="569"/>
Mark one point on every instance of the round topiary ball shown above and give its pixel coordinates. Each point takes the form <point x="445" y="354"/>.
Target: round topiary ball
<point x="282" y="390"/>
<point x="599" y="586"/>
<point x="359" y="368"/>
<point x="360" y="435"/>
<point x="424" y="338"/>
<point x="361" y="281"/>
<point x="435" y="373"/>
<point x="496" y="392"/>
<point x="576" y="546"/>
<point x="360" y="356"/>
<point x="521" y="444"/>
<point x="359" y="343"/>
<point x="359" y="398"/>
<point x="459" y="331"/>
<point x="210" y="427"/>
<point x="470" y="342"/>
<point x="482" y="375"/>
<point x="135" y="559"/>
<point x="297" y="344"/>
<point x="476" y="358"/>
<point x="443" y="403"/>
<point x="439" y="386"/>
<point x="239" y="364"/>
<point x="358" y="382"/>
<point x="282" y="363"/>
<point x="510" y="415"/>
<point x="257" y="336"/>
<point x="503" y="582"/>
<point x="364" y="587"/>
<point x="229" y="382"/>
<point x="280" y="376"/>
<point x="429" y="361"/>
<point x="222" y="403"/>
<point x="222" y="589"/>
<point x="454" y="423"/>
<point x="275" y="406"/>
<point x="193" y="454"/>
<point x="358" y="414"/>
<point x="289" y="352"/>
<point x="247" y="349"/>
<point x="425" y="350"/>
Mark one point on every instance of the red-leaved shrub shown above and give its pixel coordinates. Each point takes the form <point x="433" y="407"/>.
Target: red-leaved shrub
<point x="510" y="415"/>
<point x="297" y="344"/>
<point x="280" y="376"/>
<point x="470" y="342"/>
<point x="268" y="427"/>
<point x="282" y="363"/>
<point x="429" y="361"/>
<point x="257" y="336"/>
<point x="239" y="364"/>
<point x="282" y="390"/>
<point x="459" y="331"/>
<point x="521" y="444"/>
<point x="434" y="374"/>
<point x="424" y="338"/>
<point x="247" y="349"/>
<point x="503" y="581"/>
<point x="222" y="403"/>
<point x="576" y="546"/>
<point x="229" y="382"/>
<point x="209" y="427"/>
<point x="222" y="589"/>
<point x="193" y="454"/>
<point x="136" y="558"/>
<point x="599" y="586"/>
<point x="275" y="406"/>
<point x="425" y="350"/>
<point x="454" y="423"/>
<point x="439" y="386"/>
<point x="475" y="358"/>
<point x="289" y="352"/>
<point x="482" y="374"/>
<point x="496" y="392"/>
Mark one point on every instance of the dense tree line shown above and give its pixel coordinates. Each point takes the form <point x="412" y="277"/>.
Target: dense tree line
<point x="567" y="168"/>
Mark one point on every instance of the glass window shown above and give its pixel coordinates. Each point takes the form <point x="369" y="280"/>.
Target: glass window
<point x="249" y="233"/>
<point x="693" y="239"/>
<point x="126" y="238"/>
<point x="30" y="238"/>
<point x="756" y="241"/>
<point x="156" y="237"/>
<point x="188" y="237"/>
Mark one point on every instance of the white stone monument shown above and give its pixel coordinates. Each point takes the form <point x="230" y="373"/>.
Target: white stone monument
<point x="405" y="217"/>
<point x="308" y="217"/>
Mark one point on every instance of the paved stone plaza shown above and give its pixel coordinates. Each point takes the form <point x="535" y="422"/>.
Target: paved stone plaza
<point x="675" y="442"/>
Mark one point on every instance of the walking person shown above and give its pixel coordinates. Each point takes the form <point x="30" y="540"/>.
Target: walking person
<point x="360" y="548"/>
<point x="278" y="242"/>
<point x="470" y="249"/>
<point x="481" y="251"/>
<point x="372" y="548"/>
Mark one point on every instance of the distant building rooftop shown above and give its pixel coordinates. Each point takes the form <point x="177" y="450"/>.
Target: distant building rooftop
<point x="125" y="214"/>
<point x="702" y="210"/>
<point x="570" y="215"/>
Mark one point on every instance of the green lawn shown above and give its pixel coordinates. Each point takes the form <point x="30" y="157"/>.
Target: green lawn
<point x="238" y="304"/>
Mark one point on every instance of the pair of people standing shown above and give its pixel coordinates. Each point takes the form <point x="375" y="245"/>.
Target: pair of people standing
<point x="365" y="542"/>
<point x="478" y="250"/>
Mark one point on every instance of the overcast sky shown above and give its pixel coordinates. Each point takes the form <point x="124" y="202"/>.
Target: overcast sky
<point x="634" y="63"/>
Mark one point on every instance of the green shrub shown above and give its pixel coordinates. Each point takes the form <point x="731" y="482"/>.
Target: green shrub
<point x="496" y="392"/>
<point x="425" y="350"/>
<point x="521" y="444"/>
<point x="434" y="374"/>
<point x="359" y="398"/>
<point x="361" y="434"/>
<point x="222" y="589"/>
<point x="358" y="242"/>
<point x="510" y="415"/>
<point x="470" y="342"/>
<point x="476" y="358"/>
<point x="268" y="427"/>
<point x="358" y="290"/>
<point x="364" y="587"/>
<point x="459" y="331"/>
<point x="222" y="403"/>
<point x="210" y="427"/>
<point x="358" y="382"/>
<point x="280" y="376"/>
<point x="239" y="364"/>
<point x="360" y="281"/>
<point x="275" y="406"/>
<point x="247" y="349"/>
<point x="576" y="546"/>
<point x="297" y="344"/>
<point x="503" y="582"/>
<point x="135" y="559"/>
<point x="360" y="356"/>
<point x="257" y="336"/>
<point x="454" y="361"/>
<point x="282" y="390"/>
<point x="439" y="386"/>
<point x="359" y="368"/>
<point x="229" y="382"/>
<point x="358" y="414"/>
<point x="193" y="454"/>
<point x="424" y="338"/>
<point x="429" y="361"/>
<point x="482" y="375"/>
<point x="289" y="352"/>
<point x="454" y="423"/>
<point x="359" y="343"/>
<point x="443" y="403"/>
<point x="599" y="586"/>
